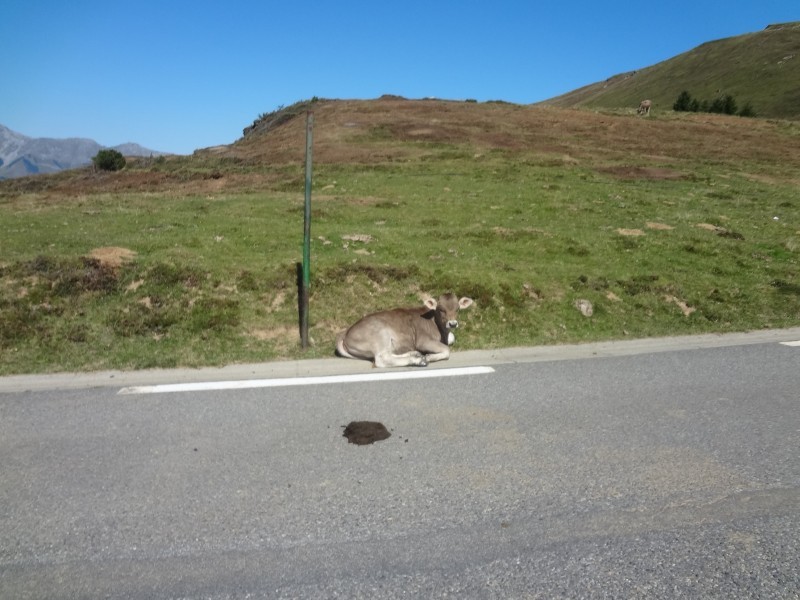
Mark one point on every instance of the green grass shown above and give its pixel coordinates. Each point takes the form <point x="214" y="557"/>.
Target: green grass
<point x="760" y="68"/>
<point x="214" y="277"/>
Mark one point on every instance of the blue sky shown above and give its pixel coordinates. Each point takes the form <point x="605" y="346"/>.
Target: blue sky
<point x="180" y="75"/>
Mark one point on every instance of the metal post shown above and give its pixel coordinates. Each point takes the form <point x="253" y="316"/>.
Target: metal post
<point x="306" y="283"/>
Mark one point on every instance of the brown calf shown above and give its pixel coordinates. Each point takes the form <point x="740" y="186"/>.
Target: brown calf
<point x="404" y="337"/>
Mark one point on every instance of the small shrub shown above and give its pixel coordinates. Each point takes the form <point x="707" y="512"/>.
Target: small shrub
<point x="747" y="111"/>
<point x="109" y="160"/>
<point x="247" y="281"/>
<point x="141" y="320"/>
<point x="210" y="315"/>
<point x="18" y="321"/>
<point x="683" y="103"/>
<point x="725" y="105"/>
<point x="164" y="274"/>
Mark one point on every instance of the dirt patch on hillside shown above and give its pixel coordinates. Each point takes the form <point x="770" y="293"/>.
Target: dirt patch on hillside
<point x="685" y="308"/>
<point x="112" y="257"/>
<point x="654" y="173"/>
<point x="721" y="231"/>
<point x="659" y="226"/>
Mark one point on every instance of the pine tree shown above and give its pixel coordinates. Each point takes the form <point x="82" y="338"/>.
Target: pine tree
<point x="683" y="103"/>
<point x="747" y="111"/>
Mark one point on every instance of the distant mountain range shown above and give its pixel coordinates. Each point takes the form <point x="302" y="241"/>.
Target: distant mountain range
<point x="21" y="155"/>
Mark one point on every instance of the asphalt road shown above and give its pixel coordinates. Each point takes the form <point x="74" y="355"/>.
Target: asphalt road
<point x="649" y="469"/>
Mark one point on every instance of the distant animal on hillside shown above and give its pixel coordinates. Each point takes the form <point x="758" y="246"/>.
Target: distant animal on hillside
<point x="644" y="108"/>
<point x="403" y="337"/>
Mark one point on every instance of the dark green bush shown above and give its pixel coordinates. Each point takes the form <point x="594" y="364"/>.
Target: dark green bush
<point x="725" y="105"/>
<point x="683" y="103"/>
<point x="747" y="111"/>
<point x="109" y="160"/>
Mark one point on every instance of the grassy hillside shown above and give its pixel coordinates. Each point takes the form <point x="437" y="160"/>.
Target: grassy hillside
<point x="761" y="68"/>
<point x="679" y="223"/>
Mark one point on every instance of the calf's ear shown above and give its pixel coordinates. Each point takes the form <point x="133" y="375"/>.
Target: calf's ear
<point x="465" y="302"/>
<point x="431" y="303"/>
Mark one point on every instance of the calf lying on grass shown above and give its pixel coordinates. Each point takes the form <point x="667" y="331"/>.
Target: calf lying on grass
<point x="403" y="337"/>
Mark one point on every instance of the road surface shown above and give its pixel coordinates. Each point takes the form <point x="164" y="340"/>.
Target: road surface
<point x="648" y="469"/>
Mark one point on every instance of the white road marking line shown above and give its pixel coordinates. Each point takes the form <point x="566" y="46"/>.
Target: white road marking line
<point x="796" y="343"/>
<point x="295" y="381"/>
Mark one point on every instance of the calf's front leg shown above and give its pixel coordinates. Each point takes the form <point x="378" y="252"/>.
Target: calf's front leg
<point x="435" y="351"/>
<point x="406" y="359"/>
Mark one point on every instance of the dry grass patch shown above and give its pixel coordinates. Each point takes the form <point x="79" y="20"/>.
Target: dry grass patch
<point x="112" y="256"/>
<point x="283" y="333"/>
<point x="659" y="226"/>
<point x="710" y="227"/>
<point x="653" y="173"/>
<point x="685" y="308"/>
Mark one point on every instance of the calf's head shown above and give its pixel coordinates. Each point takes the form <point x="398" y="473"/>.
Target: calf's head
<point x="446" y="309"/>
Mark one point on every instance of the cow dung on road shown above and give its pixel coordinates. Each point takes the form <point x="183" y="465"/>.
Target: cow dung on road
<point x="365" y="432"/>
